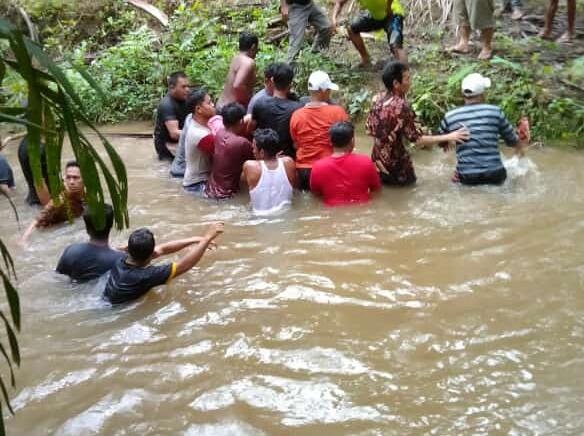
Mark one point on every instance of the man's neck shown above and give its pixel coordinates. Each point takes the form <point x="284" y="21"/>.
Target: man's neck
<point x="99" y="242"/>
<point x="281" y="94"/>
<point x="201" y="120"/>
<point x="338" y="152"/>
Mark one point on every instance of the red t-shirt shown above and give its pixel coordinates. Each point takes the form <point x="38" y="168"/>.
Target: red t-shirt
<point x="344" y="179"/>
<point x="309" y="128"/>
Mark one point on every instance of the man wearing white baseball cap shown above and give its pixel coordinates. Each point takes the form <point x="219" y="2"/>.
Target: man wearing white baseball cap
<point x="309" y="126"/>
<point x="478" y="159"/>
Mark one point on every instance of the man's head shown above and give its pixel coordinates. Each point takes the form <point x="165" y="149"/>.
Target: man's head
<point x="200" y="105"/>
<point x="249" y="43"/>
<point x="91" y="229"/>
<point x="396" y="77"/>
<point x="268" y="78"/>
<point x="233" y="114"/>
<point x="141" y="246"/>
<point x="320" y="86"/>
<point x="342" y="135"/>
<point x="283" y="76"/>
<point x="474" y="86"/>
<point x="73" y="180"/>
<point x="178" y="85"/>
<point x="266" y="144"/>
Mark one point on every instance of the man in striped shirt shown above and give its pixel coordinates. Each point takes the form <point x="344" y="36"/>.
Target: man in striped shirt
<point x="478" y="159"/>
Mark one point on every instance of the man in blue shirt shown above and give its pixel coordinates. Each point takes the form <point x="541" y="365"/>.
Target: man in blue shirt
<point x="478" y="159"/>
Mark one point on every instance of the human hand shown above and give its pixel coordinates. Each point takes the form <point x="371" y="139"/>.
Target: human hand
<point x="284" y="10"/>
<point x="460" y="135"/>
<point x="214" y="230"/>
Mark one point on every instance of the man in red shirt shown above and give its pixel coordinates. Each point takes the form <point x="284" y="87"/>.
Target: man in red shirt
<point x="309" y="126"/>
<point x="231" y="150"/>
<point x="344" y="178"/>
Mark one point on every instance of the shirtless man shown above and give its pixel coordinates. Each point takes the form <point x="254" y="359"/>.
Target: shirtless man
<point x="242" y="73"/>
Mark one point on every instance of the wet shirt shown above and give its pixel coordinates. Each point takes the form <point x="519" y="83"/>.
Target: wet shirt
<point x="229" y="155"/>
<point x="169" y="109"/>
<point x="71" y="205"/>
<point x="6" y="176"/>
<point x="275" y="113"/>
<point x="86" y="261"/>
<point x="486" y="122"/>
<point x="309" y="128"/>
<point x="198" y="152"/>
<point x="346" y="179"/>
<point x="391" y="122"/>
<point x="128" y="282"/>
<point x="258" y="96"/>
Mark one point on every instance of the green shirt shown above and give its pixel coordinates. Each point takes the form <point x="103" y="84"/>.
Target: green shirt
<point x="378" y="8"/>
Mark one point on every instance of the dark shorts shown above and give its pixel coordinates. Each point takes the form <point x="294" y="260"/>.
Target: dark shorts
<point x="496" y="177"/>
<point x="393" y="27"/>
<point x="398" y="179"/>
<point x="303" y="175"/>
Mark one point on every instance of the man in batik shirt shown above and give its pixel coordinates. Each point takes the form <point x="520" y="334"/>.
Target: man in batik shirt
<point x="391" y="122"/>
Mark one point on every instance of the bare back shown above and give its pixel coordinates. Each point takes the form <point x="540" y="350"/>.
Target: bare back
<point x="239" y="82"/>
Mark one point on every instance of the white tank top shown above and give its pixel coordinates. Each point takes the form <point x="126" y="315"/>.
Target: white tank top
<point x="273" y="192"/>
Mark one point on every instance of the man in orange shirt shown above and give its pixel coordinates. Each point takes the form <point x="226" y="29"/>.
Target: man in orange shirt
<point x="310" y="125"/>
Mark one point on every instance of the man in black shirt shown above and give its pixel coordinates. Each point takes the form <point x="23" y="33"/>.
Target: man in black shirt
<point x="6" y="176"/>
<point x="170" y="116"/>
<point x="298" y="14"/>
<point x="133" y="276"/>
<point x="89" y="260"/>
<point x="275" y="112"/>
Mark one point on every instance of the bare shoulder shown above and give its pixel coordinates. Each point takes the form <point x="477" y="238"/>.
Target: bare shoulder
<point x="289" y="162"/>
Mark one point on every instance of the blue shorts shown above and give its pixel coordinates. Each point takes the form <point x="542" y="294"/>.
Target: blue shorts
<point x="393" y="26"/>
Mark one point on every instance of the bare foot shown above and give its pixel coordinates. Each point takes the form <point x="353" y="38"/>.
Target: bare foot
<point x="461" y="47"/>
<point x="486" y="53"/>
<point x="365" y="63"/>
<point x="517" y="14"/>
<point x="545" y="34"/>
<point x="565" y="38"/>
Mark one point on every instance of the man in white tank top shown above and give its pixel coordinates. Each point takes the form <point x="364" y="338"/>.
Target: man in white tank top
<point x="270" y="178"/>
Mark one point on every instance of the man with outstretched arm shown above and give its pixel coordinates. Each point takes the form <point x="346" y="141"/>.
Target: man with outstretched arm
<point x="133" y="276"/>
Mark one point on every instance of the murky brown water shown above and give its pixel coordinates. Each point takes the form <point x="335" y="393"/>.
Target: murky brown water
<point x="434" y="310"/>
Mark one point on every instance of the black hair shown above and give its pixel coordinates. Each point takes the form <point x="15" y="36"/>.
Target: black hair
<point x="393" y="71"/>
<point x="270" y="70"/>
<point x="283" y="76"/>
<point x="92" y="231"/>
<point x="172" y="78"/>
<point x="341" y="133"/>
<point x="72" y="164"/>
<point x="141" y="245"/>
<point x="195" y="98"/>
<point x="232" y="114"/>
<point x="247" y="40"/>
<point x="268" y="141"/>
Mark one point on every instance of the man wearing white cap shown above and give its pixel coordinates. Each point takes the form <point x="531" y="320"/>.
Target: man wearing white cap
<point x="309" y="126"/>
<point x="478" y="158"/>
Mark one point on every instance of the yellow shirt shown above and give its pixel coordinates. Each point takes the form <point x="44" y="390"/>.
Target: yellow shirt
<point x="397" y="8"/>
<point x="378" y="8"/>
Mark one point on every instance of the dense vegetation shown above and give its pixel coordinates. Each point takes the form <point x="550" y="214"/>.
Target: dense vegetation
<point x="130" y="56"/>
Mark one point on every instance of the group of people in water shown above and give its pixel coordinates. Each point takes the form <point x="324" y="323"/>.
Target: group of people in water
<point x="274" y="142"/>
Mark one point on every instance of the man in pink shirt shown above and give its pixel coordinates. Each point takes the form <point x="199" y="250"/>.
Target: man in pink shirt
<point x="344" y="177"/>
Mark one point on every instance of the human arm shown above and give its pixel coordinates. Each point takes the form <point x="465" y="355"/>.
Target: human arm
<point x="460" y="135"/>
<point x="337" y="11"/>
<point x="174" y="246"/>
<point x="195" y="254"/>
<point x="290" y="167"/>
<point x="173" y="129"/>
<point x="29" y="231"/>
<point x="207" y="144"/>
<point x="284" y="10"/>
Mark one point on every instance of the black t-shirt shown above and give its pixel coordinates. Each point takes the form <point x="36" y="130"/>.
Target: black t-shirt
<point x="298" y="2"/>
<point x="169" y="109"/>
<point x="87" y="261"/>
<point x="129" y="282"/>
<point x="275" y="113"/>
<point x="6" y="176"/>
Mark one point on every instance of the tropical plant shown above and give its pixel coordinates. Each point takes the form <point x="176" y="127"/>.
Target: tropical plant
<point x="53" y="110"/>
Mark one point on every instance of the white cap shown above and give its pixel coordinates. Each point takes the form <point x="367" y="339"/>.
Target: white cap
<point x="474" y="84"/>
<point x="320" y="81"/>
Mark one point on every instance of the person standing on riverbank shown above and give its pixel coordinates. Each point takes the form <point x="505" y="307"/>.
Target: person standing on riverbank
<point x="475" y="15"/>
<point x="242" y="73"/>
<point x="170" y="116"/>
<point x="478" y="158"/>
<point x="515" y="7"/>
<point x="379" y="14"/>
<point x="391" y="122"/>
<point x="344" y="177"/>
<point x="133" y="276"/>
<point x="310" y="125"/>
<point x="299" y="14"/>
<point x="570" y="33"/>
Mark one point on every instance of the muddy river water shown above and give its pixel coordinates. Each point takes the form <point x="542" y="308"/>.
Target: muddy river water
<point x="433" y="310"/>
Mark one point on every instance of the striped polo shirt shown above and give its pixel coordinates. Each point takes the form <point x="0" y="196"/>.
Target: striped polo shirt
<point x="485" y="122"/>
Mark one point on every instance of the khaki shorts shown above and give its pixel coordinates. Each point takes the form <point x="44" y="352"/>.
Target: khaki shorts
<point x="478" y="14"/>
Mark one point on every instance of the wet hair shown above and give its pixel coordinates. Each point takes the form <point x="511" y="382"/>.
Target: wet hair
<point x="72" y="164"/>
<point x="341" y="134"/>
<point x="270" y="70"/>
<point x="247" y="40"/>
<point x="172" y="78"/>
<point x="195" y="98"/>
<point x="393" y="71"/>
<point x="141" y="245"/>
<point x="283" y="76"/>
<point x="268" y="141"/>
<point x="92" y="231"/>
<point x="232" y="114"/>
